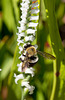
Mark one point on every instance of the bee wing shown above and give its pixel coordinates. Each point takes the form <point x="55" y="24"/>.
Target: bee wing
<point x="47" y="55"/>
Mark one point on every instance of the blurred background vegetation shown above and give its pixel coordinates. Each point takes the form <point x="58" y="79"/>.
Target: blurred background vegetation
<point x="43" y="79"/>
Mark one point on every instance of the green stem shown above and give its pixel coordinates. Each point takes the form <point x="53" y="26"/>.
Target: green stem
<point x="0" y="82"/>
<point x="22" y="96"/>
<point x="24" y="93"/>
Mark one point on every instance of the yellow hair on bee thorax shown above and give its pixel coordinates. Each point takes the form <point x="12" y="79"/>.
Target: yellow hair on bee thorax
<point x="31" y="51"/>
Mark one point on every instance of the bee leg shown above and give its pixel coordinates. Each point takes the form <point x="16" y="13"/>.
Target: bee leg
<point x="27" y="54"/>
<point x="25" y="67"/>
<point x="21" y="60"/>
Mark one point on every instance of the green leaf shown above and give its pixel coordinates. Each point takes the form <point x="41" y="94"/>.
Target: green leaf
<point x="8" y="15"/>
<point x="6" y="66"/>
<point x="16" y="9"/>
<point x="1" y="21"/>
<point x="40" y="95"/>
<point x="56" y="45"/>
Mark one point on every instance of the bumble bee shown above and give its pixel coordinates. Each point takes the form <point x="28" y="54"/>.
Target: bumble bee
<point x="30" y="56"/>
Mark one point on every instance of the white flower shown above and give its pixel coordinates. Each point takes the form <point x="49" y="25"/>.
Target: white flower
<point x="22" y="23"/>
<point x="20" y="29"/>
<point x="32" y="24"/>
<point x="24" y="6"/>
<point x="20" y="35"/>
<point x="34" y="17"/>
<point x="31" y="88"/>
<point x="18" y="77"/>
<point x="0" y="69"/>
<point x="27" y="86"/>
<point x="34" y="11"/>
<point x="21" y="49"/>
<point x="22" y="57"/>
<point x="20" y="41"/>
<point x="25" y="1"/>
<point x="19" y="65"/>
<point x="25" y="83"/>
<point x="20" y="69"/>
<point x="31" y="31"/>
<point x="29" y="38"/>
<point x="24" y="14"/>
<point x="30" y="71"/>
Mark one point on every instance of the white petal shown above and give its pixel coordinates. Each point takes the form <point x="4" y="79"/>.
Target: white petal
<point x="34" y="17"/>
<point x="14" y="75"/>
<point x="24" y="5"/>
<point x="22" y="57"/>
<point x="24" y="9"/>
<point x="30" y="31"/>
<point x="24" y="14"/>
<point x="30" y="88"/>
<point x="25" y="83"/>
<point x="32" y="34"/>
<point x="18" y="77"/>
<point x="32" y="24"/>
<point x="29" y="38"/>
<point x="20" y="69"/>
<point x="21" y="49"/>
<point x="34" y="11"/>
<point x="30" y="71"/>
<point x="19" y="65"/>
<point x="25" y="1"/>
<point x="24" y="44"/>
<point x="20" y="29"/>
<point x="23" y="21"/>
<point x="0" y="69"/>
<point x="20" y="41"/>
<point x="21" y="34"/>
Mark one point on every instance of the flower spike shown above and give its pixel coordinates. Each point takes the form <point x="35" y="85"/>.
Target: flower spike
<point x="26" y="35"/>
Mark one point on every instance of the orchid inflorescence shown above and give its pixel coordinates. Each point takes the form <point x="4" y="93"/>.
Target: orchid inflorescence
<point x="26" y="35"/>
